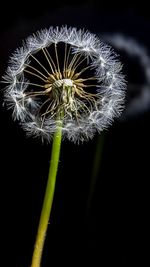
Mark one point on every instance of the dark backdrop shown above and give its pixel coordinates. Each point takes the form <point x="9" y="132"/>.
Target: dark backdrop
<point x="115" y="230"/>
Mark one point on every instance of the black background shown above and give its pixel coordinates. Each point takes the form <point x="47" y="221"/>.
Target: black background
<point x="115" y="232"/>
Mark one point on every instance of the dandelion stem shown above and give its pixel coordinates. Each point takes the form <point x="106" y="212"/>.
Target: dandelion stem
<point x="48" y="200"/>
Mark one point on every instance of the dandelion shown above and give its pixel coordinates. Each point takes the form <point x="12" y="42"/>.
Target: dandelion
<point x="68" y="72"/>
<point x="63" y="83"/>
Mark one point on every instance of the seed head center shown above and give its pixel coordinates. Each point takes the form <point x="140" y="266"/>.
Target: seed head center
<point x="63" y="83"/>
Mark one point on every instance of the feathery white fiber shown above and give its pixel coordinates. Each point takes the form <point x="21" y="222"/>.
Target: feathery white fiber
<point x="64" y="73"/>
<point x="135" y="50"/>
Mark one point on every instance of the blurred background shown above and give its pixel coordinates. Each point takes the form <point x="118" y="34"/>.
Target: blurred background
<point x="99" y="216"/>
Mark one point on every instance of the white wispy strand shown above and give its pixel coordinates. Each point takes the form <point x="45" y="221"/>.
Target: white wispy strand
<point x="135" y="50"/>
<point x="110" y="88"/>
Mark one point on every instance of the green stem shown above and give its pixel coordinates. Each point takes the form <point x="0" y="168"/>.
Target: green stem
<point x="48" y="199"/>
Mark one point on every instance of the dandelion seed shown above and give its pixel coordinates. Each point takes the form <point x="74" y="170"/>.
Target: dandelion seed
<point x="64" y="71"/>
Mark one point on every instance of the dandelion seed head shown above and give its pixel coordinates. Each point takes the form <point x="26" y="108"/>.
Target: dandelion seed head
<point x="64" y="73"/>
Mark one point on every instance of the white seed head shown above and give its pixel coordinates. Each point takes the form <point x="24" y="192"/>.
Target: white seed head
<point x="64" y="73"/>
